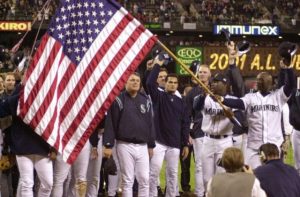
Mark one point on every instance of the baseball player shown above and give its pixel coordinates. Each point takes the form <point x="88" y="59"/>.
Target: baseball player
<point x="172" y="131"/>
<point x="130" y="122"/>
<point x="204" y="74"/>
<point x="263" y="110"/>
<point x="217" y="128"/>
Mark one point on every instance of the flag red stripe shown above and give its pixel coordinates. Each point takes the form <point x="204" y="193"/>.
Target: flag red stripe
<point x="111" y="97"/>
<point x="99" y="85"/>
<point x="92" y="66"/>
<point x="47" y="132"/>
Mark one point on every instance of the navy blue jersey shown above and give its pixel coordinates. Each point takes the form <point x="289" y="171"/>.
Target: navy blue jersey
<point x="130" y="119"/>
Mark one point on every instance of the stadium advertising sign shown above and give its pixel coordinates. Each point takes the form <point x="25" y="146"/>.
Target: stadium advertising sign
<point x="258" y="59"/>
<point x="153" y="25"/>
<point x="187" y="55"/>
<point x="255" y="30"/>
<point x="15" y="25"/>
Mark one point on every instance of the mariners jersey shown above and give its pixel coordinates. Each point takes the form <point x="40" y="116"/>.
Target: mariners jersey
<point x="264" y="117"/>
<point x="214" y="120"/>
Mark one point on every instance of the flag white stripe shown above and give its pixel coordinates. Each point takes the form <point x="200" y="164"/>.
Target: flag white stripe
<point x="102" y="96"/>
<point x="32" y="79"/>
<point x="103" y="64"/>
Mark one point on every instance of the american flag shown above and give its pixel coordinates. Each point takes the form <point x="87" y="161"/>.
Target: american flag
<point x="83" y="61"/>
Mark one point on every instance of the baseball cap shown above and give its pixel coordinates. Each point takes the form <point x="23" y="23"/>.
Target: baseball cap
<point x="286" y="50"/>
<point x="220" y="77"/>
<point x="155" y="51"/>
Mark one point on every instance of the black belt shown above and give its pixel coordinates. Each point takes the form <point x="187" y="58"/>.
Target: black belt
<point x="216" y="136"/>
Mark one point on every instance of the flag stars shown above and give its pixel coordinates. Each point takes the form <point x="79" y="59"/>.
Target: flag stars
<point x="79" y="5"/>
<point x="95" y="22"/>
<point x="109" y="13"/>
<point x="60" y="36"/>
<point x="88" y="22"/>
<point x="63" y="9"/>
<point x="75" y="41"/>
<point x="83" y="40"/>
<point x="57" y="19"/>
<point x="81" y="31"/>
<point x="90" y="39"/>
<point x="84" y="49"/>
<point x="97" y="30"/>
<point x="102" y="13"/>
<point x="78" y="58"/>
<point x="80" y="23"/>
<point x="94" y="13"/>
<point x="103" y="22"/>
<point x="101" y="5"/>
<point x="74" y="32"/>
<point x="93" y="5"/>
<point x="69" y="41"/>
<point x="69" y="50"/>
<point x="74" y="23"/>
<point x="79" y="14"/>
<point x="86" y="5"/>
<point x="87" y="13"/>
<point x="73" y="15"/>
<point x="69" y="8"/>
<point x="77" y="50"/>
<point x="58" y="27"/>
<point x="89" y="31"/>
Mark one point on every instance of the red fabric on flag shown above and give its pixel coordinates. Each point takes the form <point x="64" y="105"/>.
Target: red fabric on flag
<point x="81" y="65"/>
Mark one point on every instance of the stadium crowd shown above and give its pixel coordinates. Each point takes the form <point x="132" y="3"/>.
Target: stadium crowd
<point x="283" y="12"/>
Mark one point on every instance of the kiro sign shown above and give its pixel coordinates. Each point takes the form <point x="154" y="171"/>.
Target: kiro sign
<point x="255" y="30"/>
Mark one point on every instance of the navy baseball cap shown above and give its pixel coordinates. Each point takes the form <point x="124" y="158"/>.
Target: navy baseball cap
<point x="286" y="50"/>
<point x="194" y="67"/>
<point x="156" y="50"/>
<point x="220" y="77"/>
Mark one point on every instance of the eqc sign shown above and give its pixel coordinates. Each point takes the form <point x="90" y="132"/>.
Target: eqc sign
<point x="187" y="55"/>
<point x="255" y="30"/>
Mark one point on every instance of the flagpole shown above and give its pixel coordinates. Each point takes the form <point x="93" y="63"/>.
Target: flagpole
<point x="228" y="113"/>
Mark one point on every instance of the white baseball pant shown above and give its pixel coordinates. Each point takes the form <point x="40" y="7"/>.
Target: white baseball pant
<point x="61" y="171"/>
<point x="199" y="184"/>
<point x="211" y="152"/>
<point x="93" y="172"/>
<point x="296" y="148"/>
<point x="252" y="158"/>
<point x="114" y="180"/>
<point x="171" y="156"/>
<point x="240" y="141"/>
<point x="134" y="162"/>
<point x="44" y="168"/>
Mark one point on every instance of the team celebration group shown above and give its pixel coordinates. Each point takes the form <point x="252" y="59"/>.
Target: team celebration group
<point x="239" y="139"/>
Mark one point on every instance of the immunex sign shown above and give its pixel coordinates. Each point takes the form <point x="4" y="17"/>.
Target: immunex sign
<point x="187" y="55"/>
<point x="15" y="25"/>
<point x="255" y="30"/>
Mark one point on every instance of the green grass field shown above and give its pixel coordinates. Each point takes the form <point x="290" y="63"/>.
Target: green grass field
<point x="289" y="160"/>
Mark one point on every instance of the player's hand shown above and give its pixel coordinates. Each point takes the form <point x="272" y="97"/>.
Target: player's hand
<point x="247" y="169"/>
<point x="285" y="146"/>
<point x="107" y="152"/>
<point x="94" y="153"/>
<point x="52" y="155"/>
<point x="283" y="65"/>
<point x="190" y="140"/>
<point x="185" y="152"/>
<point x="157" y="61"/>
<point x="150" y="152"/>
<point x="232" y="52"/>
<point x="149" y="64"/>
